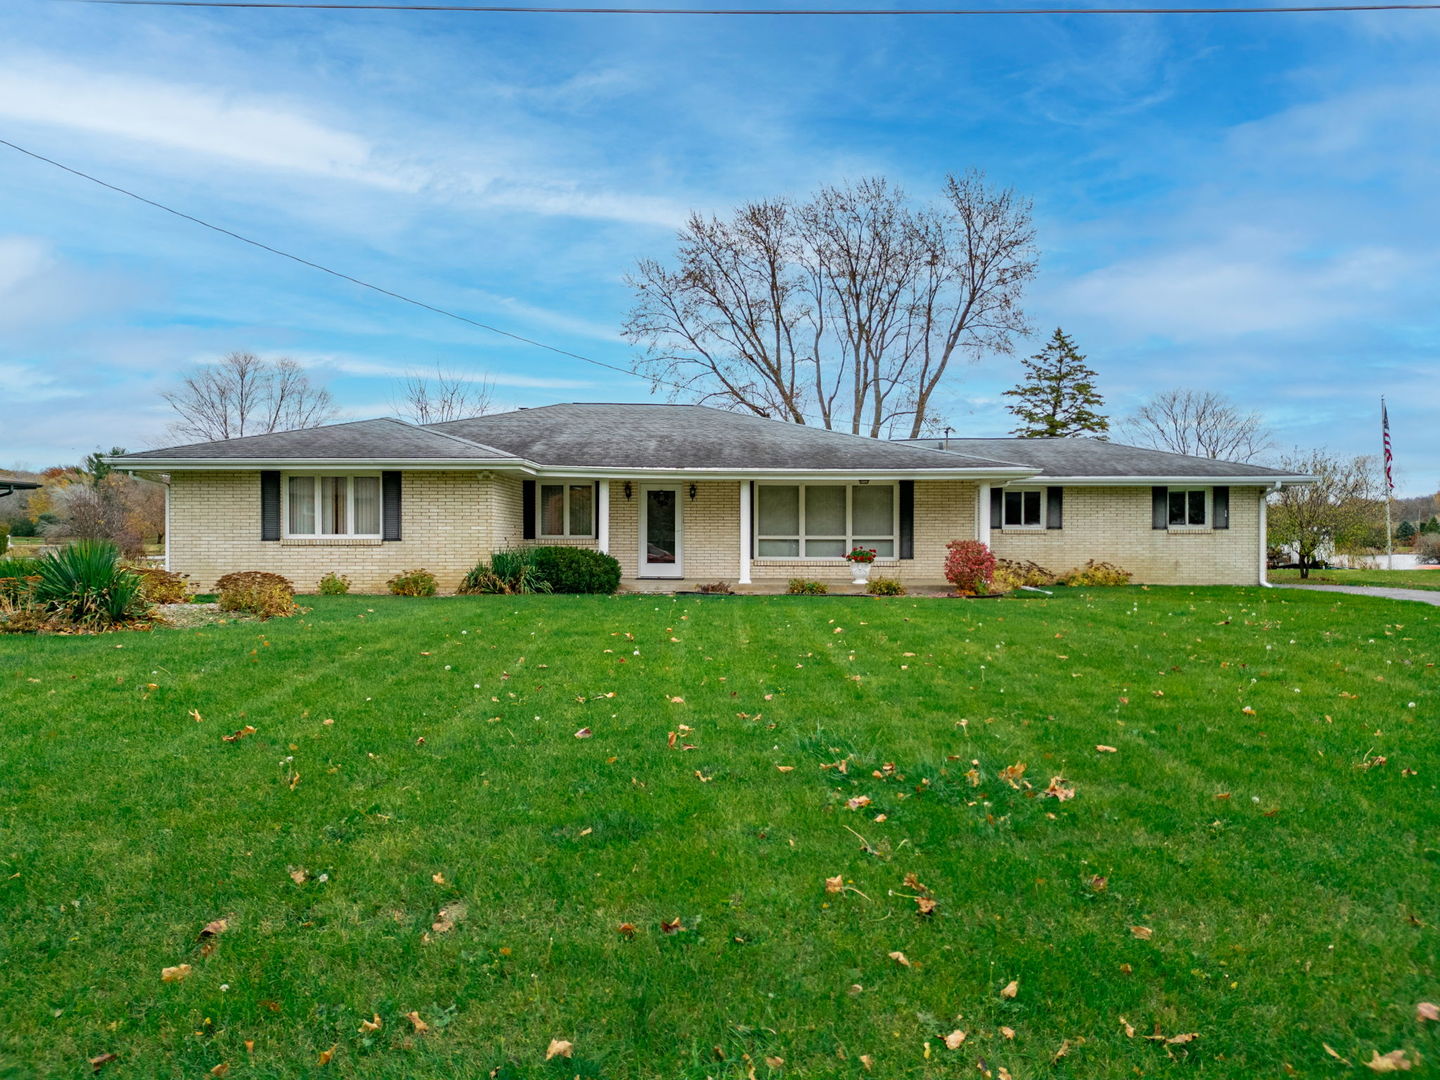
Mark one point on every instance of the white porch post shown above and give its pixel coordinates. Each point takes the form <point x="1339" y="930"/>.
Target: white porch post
<point x="602" y="530"/>
<point x="982" y="515"/>
<point x="167" y="523"/>
<point x="745" y="531"/>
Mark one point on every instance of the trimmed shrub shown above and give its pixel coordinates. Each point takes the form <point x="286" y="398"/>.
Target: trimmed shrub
<point x="333" y="584"/>
<point x="251" y="578"/>
<point x="577" y="570"/>
<point x="969" y="566"/>
<point x="1427" y="548"/>
<point x="717" y="588"/>
<point x="806" y="587"/>
<point x="885" y="586"/>
<point x="1011" y="575"/>
<point x="507" y="573"/>
<point x="412" y="583"/>
<point x="23" y="526"/>
<point x="257" y="592"/>
<point x="160" y="586"/>
<point x="4" y="537"/>
<point x="84" y="583"/>
<point x="1097" y="573"/>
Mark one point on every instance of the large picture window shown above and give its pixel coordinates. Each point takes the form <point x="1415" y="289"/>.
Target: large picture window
<point x="332" y="506"/>
<point x="824" y="521"/>
<point x="567" y="510"/>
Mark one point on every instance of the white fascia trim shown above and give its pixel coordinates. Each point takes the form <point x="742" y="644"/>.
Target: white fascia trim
<point x="311" y="465"/>
<point x="678" y="475"/>
<point x="1173" y="481"/>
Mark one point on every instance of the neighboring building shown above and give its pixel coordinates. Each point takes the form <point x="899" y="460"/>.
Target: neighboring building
<point x="689" y="494"/>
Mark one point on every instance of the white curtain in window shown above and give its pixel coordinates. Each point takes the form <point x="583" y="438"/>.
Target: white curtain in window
<point x="301" y="509"/>
<point x="366" y="494"/>
<point x="777" y="521"/>
<point x="582" y="509"/>
<point x="332" y="505"/>
<point x="825" y="510"/>
<point x="552" y="509"/>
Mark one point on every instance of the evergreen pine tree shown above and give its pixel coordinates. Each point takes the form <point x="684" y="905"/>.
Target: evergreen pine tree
<point x="1405" y="532"/>
<point x="1058" y="396"/>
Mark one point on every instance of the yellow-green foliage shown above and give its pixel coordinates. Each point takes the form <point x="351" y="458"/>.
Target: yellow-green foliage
<point x="413" y="583"/>
<point x="257" y="593"/>
<point x="806" y="587"/>
<point x="1097" y="573"/>
<point x="159" y="586"/>
<point x="333" y="584"/>
<point x="885" y="586"/>
<point x="1011" y="574"/>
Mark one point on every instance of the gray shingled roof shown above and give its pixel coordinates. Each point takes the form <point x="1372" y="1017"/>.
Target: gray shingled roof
<point x="691" y="437"/>
<point x="360" y="440"/>
<point x="1080" y="457"/>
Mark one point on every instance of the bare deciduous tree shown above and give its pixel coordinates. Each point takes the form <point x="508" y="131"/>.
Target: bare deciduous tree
<point x="446" y="395"/>
<point x="1201" y="423"/>
<point x="1339" y="512"/>
<point x="245" y="394"/>
<point x="849" y="308"/>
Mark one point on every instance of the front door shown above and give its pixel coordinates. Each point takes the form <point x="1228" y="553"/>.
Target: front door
<point x="660" y="529"/>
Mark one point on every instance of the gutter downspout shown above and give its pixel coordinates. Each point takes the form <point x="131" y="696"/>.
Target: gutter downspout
<point x="1264" y="548"/>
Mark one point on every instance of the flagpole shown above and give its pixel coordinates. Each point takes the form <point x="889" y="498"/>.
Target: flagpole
<point x="1389" y="536"/>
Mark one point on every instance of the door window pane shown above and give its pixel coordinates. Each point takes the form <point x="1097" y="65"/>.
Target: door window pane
<point x="552" y="509"/>
<point x="366" y="493"/>
<point x="660" y="537"/>
<point x="825" y="510"/>
<point x="301" y="508"/>
<point x="778" y="511"/>
<point x="872" y="510"/>
<point x="582" y="509"/>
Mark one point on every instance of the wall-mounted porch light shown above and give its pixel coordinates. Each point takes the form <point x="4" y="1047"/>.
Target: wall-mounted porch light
<point x="692" y="492"/>
<point x="628" y="490"/>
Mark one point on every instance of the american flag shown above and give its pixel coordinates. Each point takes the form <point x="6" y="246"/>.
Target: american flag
<point x="1385" y="432"/>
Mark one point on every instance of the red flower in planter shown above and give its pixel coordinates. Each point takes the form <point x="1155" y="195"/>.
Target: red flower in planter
<point x="861" y="554"/>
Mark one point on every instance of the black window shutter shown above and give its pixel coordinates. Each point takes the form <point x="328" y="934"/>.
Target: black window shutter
<point x="390" y="505"/>
<point x="527" y="508"/>
<point x="754" y="521"/>
<point x="1054" y="508"/>
<point x="1159" y="508"/>
<point x="997" y="508"/>
<point x="1220" y="507"/>
<point x="270" y="505"/>
<point x="907" y="519"/>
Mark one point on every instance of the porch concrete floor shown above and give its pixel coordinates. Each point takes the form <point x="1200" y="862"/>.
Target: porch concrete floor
<point x="770" y="588"/>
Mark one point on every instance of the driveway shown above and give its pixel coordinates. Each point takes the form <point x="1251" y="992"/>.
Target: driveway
<point x="1422" y="596"/>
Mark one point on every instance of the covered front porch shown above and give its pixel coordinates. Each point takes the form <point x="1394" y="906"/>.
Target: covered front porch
<point x="678" y="533"/>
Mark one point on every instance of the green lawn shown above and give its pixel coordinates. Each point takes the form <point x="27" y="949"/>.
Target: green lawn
<point x="1392" y="579"/>
<point x="1291" y="896"/>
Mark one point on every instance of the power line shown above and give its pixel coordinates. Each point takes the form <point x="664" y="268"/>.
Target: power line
<point x="478" y="9"/>
<point x="335" y="273"/>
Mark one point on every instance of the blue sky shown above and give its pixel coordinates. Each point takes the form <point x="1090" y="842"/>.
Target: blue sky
<point x="1240" y="203"/>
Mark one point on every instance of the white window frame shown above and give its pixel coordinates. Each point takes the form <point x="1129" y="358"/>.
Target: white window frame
<point x="1209" y="509"/>
<point x="1005" y="526"/>
<point x="570" y="533"/>
<point x="850" y="538"/>
<point x="349" y="533"/>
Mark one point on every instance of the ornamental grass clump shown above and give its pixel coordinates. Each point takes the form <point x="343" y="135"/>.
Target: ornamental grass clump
<point x="84" y="584"/>
<point x="1012" y="574"/>
<point x="508" y="573"/>
<point x="1097" y="573"/>
<point x="969" y="566"/>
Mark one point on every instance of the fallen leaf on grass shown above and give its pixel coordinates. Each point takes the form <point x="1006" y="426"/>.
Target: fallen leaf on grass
<point x="1427" y="1010"/>
<point x="559" y="1048"/>
<point x="1011" y="989"/>
<point x="211" y="928"/>
<point x="626" y="930"/>
<point x="1060" y="789"/>
<point x="249" y="1046"/>
<point x="677" y="701"/>
<point x="857" y="802"/>
<point x="671" y="927"/>
<point x="925" y="906"/>
<point x="1011" y="774"/>
<point x="955" y="1039"/>
<point x="1099" y="883"/>
<point x="1129" y="1028"/>
<point x="1394" y="1061"/>
<point x="99" y="1061"/>
<point x="584" y="733"/>
<point x="1181" y="1040"/>
<point x="223" y="1069"/>
<point x="1008" y="1032"/>
<point x="1144" y="933"/>
<point x="326" y="1055"/>
<point x="448" y="916"/>
<point x="367" y="1026"/>
<point x="419" y="1026"/>
<point x="438" y="879"/>
<point x="784" y="768"/>
<point x="175" y="974"/>
<point x="1106" y="749"/>
<point x="702" y="777"/>
<point x="236" y="736"/>
<point x="1064" y="1049"/>
<point x="867" y="1061"/>
<point x="900" y="958"/>
<point x="1335" y="1053"/>
<point x="775" y="1062"/>
<point x="835" y="884"/>
<point x="298" y="874"/>
<point x="195" y="715"/>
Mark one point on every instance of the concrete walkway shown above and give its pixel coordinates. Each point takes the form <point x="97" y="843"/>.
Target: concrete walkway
<point x="1422" y="596"/>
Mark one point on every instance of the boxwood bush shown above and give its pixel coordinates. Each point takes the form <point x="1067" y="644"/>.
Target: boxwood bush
<point x="577" y="570"/>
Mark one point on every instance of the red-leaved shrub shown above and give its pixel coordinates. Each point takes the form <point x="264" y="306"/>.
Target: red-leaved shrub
<point x="969" y="566"/>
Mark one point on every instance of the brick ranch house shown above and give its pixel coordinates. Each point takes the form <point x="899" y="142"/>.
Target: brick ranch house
<point x="684" y="494"/>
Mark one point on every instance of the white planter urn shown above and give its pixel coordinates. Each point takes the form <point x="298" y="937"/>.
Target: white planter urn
<point x="860" y="573"/>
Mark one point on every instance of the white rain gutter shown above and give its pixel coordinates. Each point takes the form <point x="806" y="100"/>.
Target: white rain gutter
<point x="1264" y="547"/>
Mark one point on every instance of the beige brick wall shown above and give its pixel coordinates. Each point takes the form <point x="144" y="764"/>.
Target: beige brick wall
<point x="452" y="519"/>
<point x="446" y="525"/>
<point x="1112" y="524"/>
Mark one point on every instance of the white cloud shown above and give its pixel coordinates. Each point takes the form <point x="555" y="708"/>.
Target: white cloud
<point x="348" y="365"/>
